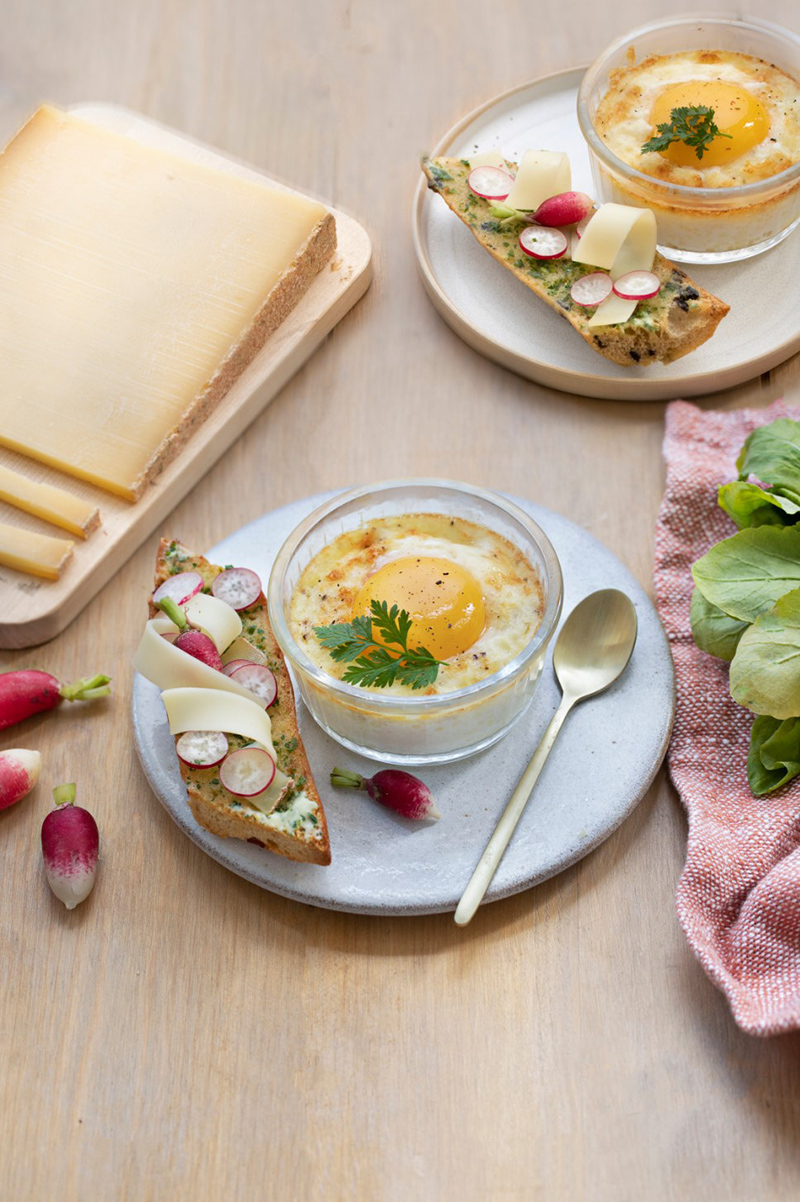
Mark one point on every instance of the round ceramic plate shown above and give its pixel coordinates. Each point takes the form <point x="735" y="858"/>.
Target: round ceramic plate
<point x="606" y="756"/>
<point x="499" y="317"/>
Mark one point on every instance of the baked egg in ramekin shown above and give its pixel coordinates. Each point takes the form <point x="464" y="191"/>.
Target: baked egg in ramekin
<point x="481" y="584"/>
<point x="742" y="194"/>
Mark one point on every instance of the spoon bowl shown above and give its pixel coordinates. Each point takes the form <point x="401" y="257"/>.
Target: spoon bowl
<point x="595" y="644"/>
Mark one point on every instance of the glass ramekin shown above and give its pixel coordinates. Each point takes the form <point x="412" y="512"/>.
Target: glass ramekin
<point x="416" y="729"/>
<point x="697" y="225"/>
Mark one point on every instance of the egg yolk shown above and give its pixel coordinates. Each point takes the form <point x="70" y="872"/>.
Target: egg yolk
<point x="736" y="112"/>
<point x="443" y="600"/>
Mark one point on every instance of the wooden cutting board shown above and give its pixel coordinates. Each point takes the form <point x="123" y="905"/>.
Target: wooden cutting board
<point x="35" y="610"/>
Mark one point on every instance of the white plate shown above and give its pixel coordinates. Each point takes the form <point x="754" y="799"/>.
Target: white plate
<point x="606" y="756"/>
<point x="498" y="316"/>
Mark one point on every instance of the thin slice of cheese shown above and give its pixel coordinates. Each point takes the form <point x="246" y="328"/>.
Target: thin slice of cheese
<point x="37" y="554"/>
<point x="541" y="173"/>
<point x="135" y="285"/>
<point x="243" y="649"/>
<point x="55" y="505"/>
<point x="169" y="667"/>
<point x="213" y="709"/>
<point x="488" y="158"/>
<point x="619" y="239"/>
<point x="217" y="709"/>
<point x="219" y="620"/>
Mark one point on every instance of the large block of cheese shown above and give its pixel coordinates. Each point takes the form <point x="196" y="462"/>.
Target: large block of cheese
<point x="135" y="286"/>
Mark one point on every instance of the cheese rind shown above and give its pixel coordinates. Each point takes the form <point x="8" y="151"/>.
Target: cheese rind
<point x="45" y="501"/>
<point x="37" y="554"/>
<point x="135" y="286"/>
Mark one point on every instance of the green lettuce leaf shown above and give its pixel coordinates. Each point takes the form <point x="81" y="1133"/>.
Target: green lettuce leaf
<point x="746" y="574"/>
<point x="765" y="671"/>
<point x="774" y="756"/>
<point x="713" y="630"/>
<point x="772" y="454"/>
<point x="750" y="505"/>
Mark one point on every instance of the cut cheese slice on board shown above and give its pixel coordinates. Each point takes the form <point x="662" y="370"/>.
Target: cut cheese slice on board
<point x="619" y="238"/>
<point x="38" y="554"/>
<point x="45" y="501"/>
<point x="541" y="173"/>
<point x="136" y="286"/>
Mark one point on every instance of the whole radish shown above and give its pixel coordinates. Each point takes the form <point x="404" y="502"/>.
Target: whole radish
<point x="70" y="844"/>
<point x="194" y="642"/>
<point x="19" y="773"/>
<point x="393" y="788"/>
<point x="27" y="691"/>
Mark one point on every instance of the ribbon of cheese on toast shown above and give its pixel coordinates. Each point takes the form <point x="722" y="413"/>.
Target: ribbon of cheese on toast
<point x="541" y="174"/>
<point x="619" y="239"/>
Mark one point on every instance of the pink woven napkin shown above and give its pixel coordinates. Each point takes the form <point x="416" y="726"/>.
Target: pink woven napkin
<point x="739" y="894"/>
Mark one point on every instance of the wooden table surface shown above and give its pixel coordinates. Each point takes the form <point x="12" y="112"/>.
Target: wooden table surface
<point x="184" y="1034"/>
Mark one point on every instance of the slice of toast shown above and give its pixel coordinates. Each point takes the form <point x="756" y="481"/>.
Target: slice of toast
<point x="664" y="328"/>
<point x="296" y="828"/>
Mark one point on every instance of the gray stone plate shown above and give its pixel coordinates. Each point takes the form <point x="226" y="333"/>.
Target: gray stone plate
<point x="602" y="764"/>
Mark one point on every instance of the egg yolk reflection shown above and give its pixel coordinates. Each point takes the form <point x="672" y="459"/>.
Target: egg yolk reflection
<point x="443" y="600"/>
<point x="736" y="112"/>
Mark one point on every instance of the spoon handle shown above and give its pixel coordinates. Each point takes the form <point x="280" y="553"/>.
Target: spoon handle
<point x="487" y="865"/>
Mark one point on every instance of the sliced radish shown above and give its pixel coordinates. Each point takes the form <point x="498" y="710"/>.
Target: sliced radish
<point x="592" y="290"/>
<point x="202" y="748"/>
<point x="235" y="664"/>
<point x="541" y="242"/>
<point x="247" y="771"/>
<point x="490" y="183"/>
<point x="637" y="285"/>
<point x="180" y="588"/>
<point x="259" y="680"/>
<point x="580" y="228"/>
<point x="238" y="587"/>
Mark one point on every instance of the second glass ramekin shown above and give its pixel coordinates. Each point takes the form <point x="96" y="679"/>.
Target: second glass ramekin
<point x="696" y="225"/>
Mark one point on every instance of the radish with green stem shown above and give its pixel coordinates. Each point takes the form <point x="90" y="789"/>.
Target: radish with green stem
<point x="70" y="844"/>
<point x="27" y="691"/>
<point x="19" y="773"/>
<point x="393" y="788"/>
<point x="194" y="642"/>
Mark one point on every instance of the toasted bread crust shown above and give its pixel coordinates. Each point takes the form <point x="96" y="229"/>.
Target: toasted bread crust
<point x="663" y="329"/>
<point x="212" y="806"/>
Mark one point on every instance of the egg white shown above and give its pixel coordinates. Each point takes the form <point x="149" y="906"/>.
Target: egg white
<point x="510" y="586"/>
<point x="623" y="115"/>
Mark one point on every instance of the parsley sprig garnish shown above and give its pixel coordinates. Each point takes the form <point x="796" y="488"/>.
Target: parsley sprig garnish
<point x="376" y="667"/>
<point x="691" y="124"/>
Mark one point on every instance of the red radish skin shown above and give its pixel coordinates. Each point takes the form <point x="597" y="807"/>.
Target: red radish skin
<point x="70" y="846"/>
<point x="393" y="788"/>
<point x="19" y="773"/>
<point x="233" y="664"/>
<point x="199" y="646"/>
<point x="566" y="208"/>
<point x="27" y="691"/>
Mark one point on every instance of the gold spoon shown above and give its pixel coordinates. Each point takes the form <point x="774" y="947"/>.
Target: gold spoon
<point x="591" y="651"/>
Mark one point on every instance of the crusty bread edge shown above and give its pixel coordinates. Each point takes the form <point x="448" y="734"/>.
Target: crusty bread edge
<point x="283" y="297"/>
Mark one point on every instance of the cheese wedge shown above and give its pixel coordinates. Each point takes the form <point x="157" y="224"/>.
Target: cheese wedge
<point x="55" y="505"/>
<point x="136" y="286"/>
<point x="38" y="554"/>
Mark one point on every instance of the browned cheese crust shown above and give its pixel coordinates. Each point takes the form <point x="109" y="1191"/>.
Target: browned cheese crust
<point x="211" y="804"/>
<point x="673" y="323"/>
